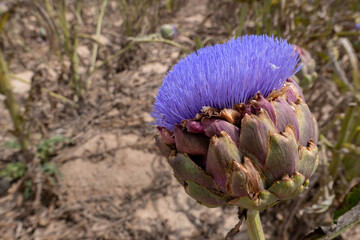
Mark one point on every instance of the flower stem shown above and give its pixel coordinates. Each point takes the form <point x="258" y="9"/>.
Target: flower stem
<point x="19" y="122"/>
<point x="253" y="225"/>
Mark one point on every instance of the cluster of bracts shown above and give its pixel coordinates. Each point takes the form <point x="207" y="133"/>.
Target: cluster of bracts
<point x="252" y="156"/>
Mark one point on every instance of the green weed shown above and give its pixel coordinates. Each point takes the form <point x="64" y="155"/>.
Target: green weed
<point x="47" y="148"/>
<point x="12" y="144"/>
<point x="13" y="171"/>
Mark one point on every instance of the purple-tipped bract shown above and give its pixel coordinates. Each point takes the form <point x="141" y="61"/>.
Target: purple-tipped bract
<point x="223" y="75"/>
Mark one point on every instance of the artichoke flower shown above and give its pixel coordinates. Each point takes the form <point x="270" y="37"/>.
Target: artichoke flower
<point x="235" y="126"/>
<point x="357" y="26"/>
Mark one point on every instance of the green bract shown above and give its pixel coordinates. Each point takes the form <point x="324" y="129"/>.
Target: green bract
<point x="252" y="156"/>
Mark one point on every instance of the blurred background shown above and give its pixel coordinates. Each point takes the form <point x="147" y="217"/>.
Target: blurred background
<point x="77" y="83"/>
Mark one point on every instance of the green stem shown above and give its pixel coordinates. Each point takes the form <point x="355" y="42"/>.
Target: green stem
<point x="253" y="225"/>
<point x="65" y="27"/>
<point x="343" y="135"/>
<point x="74" y="59"/>
<point x="96" y="46"/>
<point x="12" y="105"/>
<point x="161" y="40"/>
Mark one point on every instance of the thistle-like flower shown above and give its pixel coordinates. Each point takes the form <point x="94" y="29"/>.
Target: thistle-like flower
<point x="235" y="127"/>
<point x="357" y="26"/>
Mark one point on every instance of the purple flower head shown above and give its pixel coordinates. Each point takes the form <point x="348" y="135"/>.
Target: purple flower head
<point x="357" y="26"/>
<point x="223" y="75"/>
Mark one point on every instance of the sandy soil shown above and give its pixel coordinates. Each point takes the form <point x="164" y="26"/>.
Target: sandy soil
<point x="115" y="184"/>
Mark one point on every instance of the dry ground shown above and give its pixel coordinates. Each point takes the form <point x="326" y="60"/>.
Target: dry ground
<point x="115" y="184"/>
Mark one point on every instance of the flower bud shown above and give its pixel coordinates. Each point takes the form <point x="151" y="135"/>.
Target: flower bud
<point x="168" y="31"/>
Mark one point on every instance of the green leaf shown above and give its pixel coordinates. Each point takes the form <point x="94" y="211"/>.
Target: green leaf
<point x="27" y="190"/>
<point x="12" y="144"/>
<point x="51" y="169"/>
<point x="198" y="43"/>
<point x="47" y="147"/>
<point x="351" y="166"/>
<point x="351" y="200"/>
<point x="13" y="171"/>
<point x="244" y="11"/>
